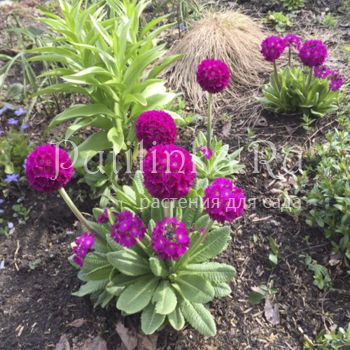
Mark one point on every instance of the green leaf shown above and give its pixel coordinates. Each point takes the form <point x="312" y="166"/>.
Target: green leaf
<point x="100" y="273"/>
<point x="176" y="319"/>
<point x="158" y="267"/>
<point x="164" y="298"/>
<point x="150" y="320"/>
<point x="138" y="295"/>
<point x="90" y="287"/>
<point x="215" y="242"/>
<point x="128" y="262"/>
<point x="80" y="111"/>
<point x="211" y="271"/>
<point x="222" y="290"/>
<point x="116" y="137"/>
<point x="198" y="316"/>
<point x="195" y="288"/>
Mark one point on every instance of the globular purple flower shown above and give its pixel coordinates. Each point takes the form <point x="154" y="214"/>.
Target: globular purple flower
<point x="20" y="111"/>
<point x="213" y="76"/>
<point x="103" y="218"/>
<point x="272" y="48"/>
<point x="11" y="178"/>
<point x="224" y="202"/>
<point x="206" y="152"/>
<point x="24" y="127"/>
<point x="48" y="168"/>
<point x="84" y="244"/>
<point x="155" y="128"/>
<point x="4" y="108"/>
<point x="169" y="172"/>
<point x="313" y="53"/>
<point x="322" y="72"/>
<point x="170" y="239"/>
<point x="12" y="121"/>
<point x="293" y="41"/>
<point x="127" y="229"/>
<point x="335" y="81"/>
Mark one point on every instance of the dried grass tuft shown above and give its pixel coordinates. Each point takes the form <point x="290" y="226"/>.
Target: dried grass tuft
<point x="229" y="36"/>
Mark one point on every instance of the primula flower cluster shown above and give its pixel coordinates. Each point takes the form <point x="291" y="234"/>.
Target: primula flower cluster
<point x="83" y="245"/>
<point x="272" y="48"/>
<point x="48" y="168"/>
<point x="313" y="53"/>
<point x="169" y="172"/>
<point x="206" y="152"/>
<point x="292" y="41"/>
<point x="127" y="229"/>
<point x="213" y="76"/>
<point x="224" y="202"/>
<point x="155" y="128"/>
<point x="170" y="239"/>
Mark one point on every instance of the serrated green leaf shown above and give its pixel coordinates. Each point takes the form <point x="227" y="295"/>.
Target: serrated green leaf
<point x="164" y="298"/>
<point x="137" y="296"/>
<point x="90" y="287"/>
<point x="211" y="271"/>
<point x="195" y="288"/>
<point x="158" y="267"/>
<point x="222" y="290"/>
<point x="176" y="319"/>
<point x="129" y="262"/>
<point x="199" y="317"/>
<point x="150" y="320"/>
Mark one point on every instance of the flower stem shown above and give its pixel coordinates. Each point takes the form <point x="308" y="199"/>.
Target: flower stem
<point x="168" y="207"/>
<point x="276" y="75"/>
<point x="290" y="57"/>
<point x="74" y="209"/>
<point x="210" y="119"/>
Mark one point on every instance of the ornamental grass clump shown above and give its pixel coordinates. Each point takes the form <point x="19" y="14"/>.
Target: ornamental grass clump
<point x="230" y="37"/>
<point x="309" y="88"/>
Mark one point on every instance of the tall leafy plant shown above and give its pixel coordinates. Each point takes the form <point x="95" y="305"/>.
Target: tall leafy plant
<point x="105" y="54"/>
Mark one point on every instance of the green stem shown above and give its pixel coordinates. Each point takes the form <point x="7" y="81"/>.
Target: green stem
<point x="168" y="207"/>
<point x="210" y="119"/>
<point x="276" y="75"/>
<point x="74" y="209"/>
<point x="290" y="57"/>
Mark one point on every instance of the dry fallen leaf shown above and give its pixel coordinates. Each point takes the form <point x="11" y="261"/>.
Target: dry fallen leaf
<point x="271" y="312"/>
<point x="77" y="323"/>
<point x="63" y="343"/>
<point x="95" y="344"/>
<point x="129" y="340"/>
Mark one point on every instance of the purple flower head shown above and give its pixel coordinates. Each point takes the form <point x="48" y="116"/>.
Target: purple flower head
<point x="103" y="218"/>
<point x="170" y="239"/>
<point x="169" y="172"/>
<point x="4" y="108"/>
<point x="12" y="121"/>
<point x="272" y="48"/>
<point x="206" y="152"/>
<point x="127" y="229"/>
<point x="224" y="202"/>
<point x="48" y="168"/>
<point x="313" y="53"/>
<point x="293" y="41"/>
<point x="12" y="178"/>
<point x="84" y="244"/>
<point x="213" y="76"/>
<point x="155" y="128"/>
<point x="335" y="81"/>
<point x="20" y="111"/>
<point x="322" y="72"/>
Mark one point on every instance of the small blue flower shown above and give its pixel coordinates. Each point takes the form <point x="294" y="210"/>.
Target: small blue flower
<point x="2" y="201"/>
<point x="182" y="27"/>
<point x="10" y="225"/>
<point x="20" y="111"/>
<point x="12" y="121"/>
<point x="24" y="127"/>
<point x="2" y="211"/>
<point x="11" y="178"/>
<point x="4" y="108"/>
